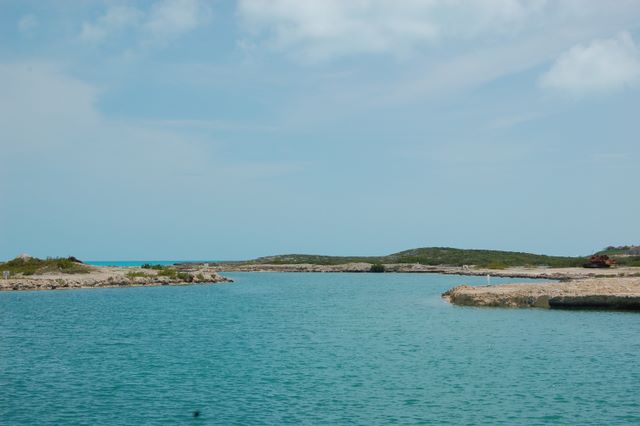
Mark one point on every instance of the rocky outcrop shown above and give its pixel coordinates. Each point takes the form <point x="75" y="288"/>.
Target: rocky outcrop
<point x="596" y="293"/>
<point x="104" y="276"/>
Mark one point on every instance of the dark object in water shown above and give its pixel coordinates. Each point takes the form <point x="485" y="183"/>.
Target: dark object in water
<point x="196" y="413"/>
<point x="599" y="261"/>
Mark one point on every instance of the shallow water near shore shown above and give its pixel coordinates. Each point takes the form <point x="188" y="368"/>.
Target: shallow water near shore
<point x="277" y="348"/>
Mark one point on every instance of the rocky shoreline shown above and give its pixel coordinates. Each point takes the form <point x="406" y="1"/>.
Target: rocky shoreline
<point x="614" y="288"/>
<point x="610" y="288"/>
<point x="592" y="293"/>
<point x="108" y="276"/>
<point x="513" y="272"/>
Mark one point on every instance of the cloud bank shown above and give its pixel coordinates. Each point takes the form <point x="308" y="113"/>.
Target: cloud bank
<point x="163" y="21"/>
<point x="604" y="65"/>
<point x="330" y="28"/>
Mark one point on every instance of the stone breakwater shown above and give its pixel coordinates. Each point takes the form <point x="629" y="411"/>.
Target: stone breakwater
<point x="596" y="293"/>
<point x="105" y="276"/>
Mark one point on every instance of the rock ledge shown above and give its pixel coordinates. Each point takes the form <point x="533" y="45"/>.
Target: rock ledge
<point x="595" y="293"/>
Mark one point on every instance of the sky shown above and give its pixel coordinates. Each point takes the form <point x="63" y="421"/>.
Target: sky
<point x="219" y="130"/>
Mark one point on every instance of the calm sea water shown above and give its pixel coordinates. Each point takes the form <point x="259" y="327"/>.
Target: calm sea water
<point x="277" y="348"/>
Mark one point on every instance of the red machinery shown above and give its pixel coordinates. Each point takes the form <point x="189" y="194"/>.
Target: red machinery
<point x="599" y="261"/>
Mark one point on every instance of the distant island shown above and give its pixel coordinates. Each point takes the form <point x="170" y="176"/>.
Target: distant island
<point x="442" y="257"/>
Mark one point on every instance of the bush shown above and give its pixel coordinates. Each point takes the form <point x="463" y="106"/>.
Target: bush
<point x="377" y="267"/>
<point x="156" y="267"/>
<point x="495" y="265"/>
<point x="167" y="272"/>
<point x="184" y="276"/>
<point x="172" y="273"/>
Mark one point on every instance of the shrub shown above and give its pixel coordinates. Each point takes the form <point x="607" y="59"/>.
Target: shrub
<point x="136" y="274"/>
<point x="156" y="267"/>
<point x="172" y="273"/>
<point x="377" y="267"/>
<point x="495" y="265"/>
<point x="184" y="276"/>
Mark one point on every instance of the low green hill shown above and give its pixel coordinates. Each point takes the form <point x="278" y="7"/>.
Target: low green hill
<point x="623" y="255"/>
<point x="435" y="256"/>
<point x="34" y="266"/>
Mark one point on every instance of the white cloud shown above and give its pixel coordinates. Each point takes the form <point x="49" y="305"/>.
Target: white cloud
<point x="27" y="24"/>
<point x="323" y="29"/>
<point x="114" y="21"/>
<point x="172" y="18"/>
<point x="163" y="21"/>
<point x="604" y="65"/>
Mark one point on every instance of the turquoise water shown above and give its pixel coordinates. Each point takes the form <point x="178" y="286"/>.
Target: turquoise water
<point x="277" y="348"/>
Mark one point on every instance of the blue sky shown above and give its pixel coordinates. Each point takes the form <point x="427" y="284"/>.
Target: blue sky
<point x="187" y="129"/>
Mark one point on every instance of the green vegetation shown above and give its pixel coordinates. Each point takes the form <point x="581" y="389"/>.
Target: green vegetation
<point x="435" y="256"/>
<point x="621" y="251"/>
<point x="495" y="265"/>
<point x="627" y="260"/>
<point x="167" y="271"/>
<point x="33" y="265"/>
<point x="377" y="267"/>
<point x="156" y="267"/>
<point x="137" y="274"/>
<point x="163" y="271"/>
<point x="170" y="272"/>
<point x="623" y="255"/>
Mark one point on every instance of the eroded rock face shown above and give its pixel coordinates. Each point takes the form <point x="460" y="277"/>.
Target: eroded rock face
<point x="470" y="296"/>
<point x="595" y="293"/>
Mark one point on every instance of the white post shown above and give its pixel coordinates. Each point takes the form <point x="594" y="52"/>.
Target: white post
<point x="488" y="279"/>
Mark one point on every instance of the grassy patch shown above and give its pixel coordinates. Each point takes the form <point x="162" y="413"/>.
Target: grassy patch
<point x="495" y="265"/>
<point x="137" y="274"/>
<point x="173" y="273"/>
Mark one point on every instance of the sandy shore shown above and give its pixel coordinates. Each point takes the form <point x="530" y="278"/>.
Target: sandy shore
<point x="107" y="276"/>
